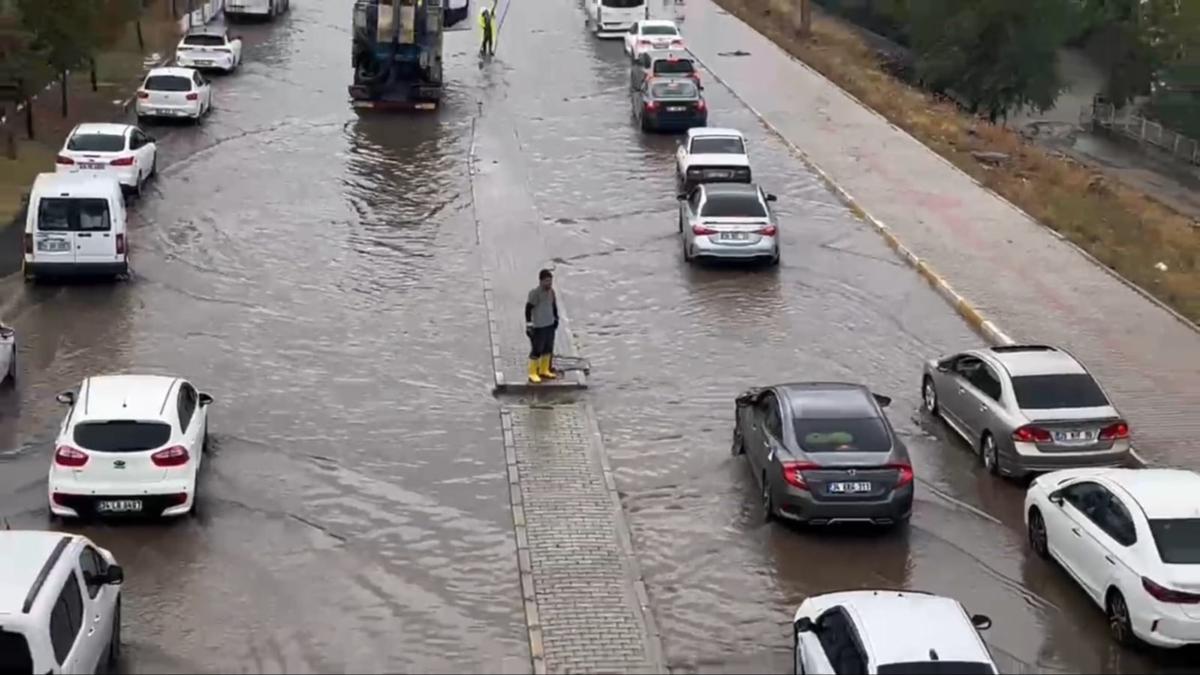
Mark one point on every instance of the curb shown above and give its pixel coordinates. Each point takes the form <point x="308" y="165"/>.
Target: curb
<point x="965" y="309"/>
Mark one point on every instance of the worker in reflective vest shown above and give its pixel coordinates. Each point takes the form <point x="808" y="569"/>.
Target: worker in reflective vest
<point x="487" y="22"/>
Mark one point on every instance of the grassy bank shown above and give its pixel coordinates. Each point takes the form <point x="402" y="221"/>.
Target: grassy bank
<point x="1123" y="228"/>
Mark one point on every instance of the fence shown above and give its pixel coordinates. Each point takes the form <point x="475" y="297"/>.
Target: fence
<point x="1146" y="132"/>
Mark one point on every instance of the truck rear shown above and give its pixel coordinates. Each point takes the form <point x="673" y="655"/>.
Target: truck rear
<point x="397" y="52"/>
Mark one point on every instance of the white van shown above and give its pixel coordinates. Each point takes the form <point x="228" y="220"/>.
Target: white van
<point x="76" y="226"/>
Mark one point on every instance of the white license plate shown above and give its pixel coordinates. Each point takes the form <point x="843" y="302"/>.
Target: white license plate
<point x="54" y="245"/>
<point x="91" y="165"/>
<point x="734" y="236"/>
<point x="719" y="174"/>
<point x="203" y="62"/>
<point x="1074" y="436"/>
<point x="676" y="108"/>
<point x="119" y="506"/>
<point x="849" y="488"/>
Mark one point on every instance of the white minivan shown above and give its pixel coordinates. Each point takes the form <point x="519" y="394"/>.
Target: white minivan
<point x="76" y="225"/>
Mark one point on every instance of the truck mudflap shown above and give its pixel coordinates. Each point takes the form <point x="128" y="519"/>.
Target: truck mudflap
<point x="414" y="97"/>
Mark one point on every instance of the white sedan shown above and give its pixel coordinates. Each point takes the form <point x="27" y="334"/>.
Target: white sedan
<point x="205" y="48"/>
<point x="123" y="150"/>
<point x="8" y="354"/>
<point x="130" y="445"/>
<point x="1131" y="539"/>
<point x="652" y="35"/>
<point x="888" y="632"/>
<point x="174" y="92"/>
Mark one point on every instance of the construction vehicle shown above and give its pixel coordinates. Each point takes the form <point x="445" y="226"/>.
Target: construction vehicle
<point x="397" y="52"/>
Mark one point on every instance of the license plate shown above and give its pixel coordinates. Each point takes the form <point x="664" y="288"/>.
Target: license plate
<point x="54" y="245"/>
<point x="849" y="488"/>
<point x="1074" y="436"/>
<point x="676" y="108"/>
<point x="119" y="506"/>
<point x="734" y="236"/>
<point x="203" y="62"/>
<point x="91" y="165"/>
<point x="719" y="174"/>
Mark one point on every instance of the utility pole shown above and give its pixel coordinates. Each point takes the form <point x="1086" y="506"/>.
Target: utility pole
<point x="806" y="17"/>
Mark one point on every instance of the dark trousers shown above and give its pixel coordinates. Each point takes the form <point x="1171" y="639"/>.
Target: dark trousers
<point x="487" y="47"/>
<point x="541" y="342"/>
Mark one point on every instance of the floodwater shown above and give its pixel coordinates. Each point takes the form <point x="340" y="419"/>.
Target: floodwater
<point x="317" y="272"/>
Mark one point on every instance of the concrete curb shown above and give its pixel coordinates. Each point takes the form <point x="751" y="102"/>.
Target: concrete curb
<point x="533" y="622"/>
<point x="965" y="309"/>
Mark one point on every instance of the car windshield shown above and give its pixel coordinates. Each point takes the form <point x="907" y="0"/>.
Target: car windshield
<point x="864" y="434"/>
<point x="14" y="653"/>
<point x="673" y="66"/>
<point x="1178" y="540"/>
<point x="935" y="668"/>
<point x="167" y="83"/>
<point x="676" y="89"/>
<point x="659" y="30"/>
<point x="743" y="205"/>
<point x="122" y="435"/>
<point x="96" y="143"/>
<point x="1040" y="392"/>
<point x="204" y="40"/>
<point x="718" y="145"/>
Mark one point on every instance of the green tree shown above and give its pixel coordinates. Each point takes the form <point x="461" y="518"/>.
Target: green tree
<point x="992" y="55"/>
<point x="64" y="30"/>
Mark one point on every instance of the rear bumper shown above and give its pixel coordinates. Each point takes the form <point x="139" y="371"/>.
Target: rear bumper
<point x="706" y="247"/>
<point x="78" y="500"/>
<point x="125" y="175"/>
<point x="168" y="111"/>
<point x="801" y="506"/>
<point x="1166" y="632"/>
<point x="209" y="62"/>
<point x="75" y="270"/>
<point x="1026" y="458"/>
<point x="661" y="123"/>
<point x="248" y="10"/>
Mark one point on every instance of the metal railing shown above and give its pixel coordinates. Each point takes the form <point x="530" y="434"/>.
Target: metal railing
<point x="1144" y="131"/>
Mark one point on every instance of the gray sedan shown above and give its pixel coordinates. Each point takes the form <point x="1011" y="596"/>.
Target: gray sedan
<point x="1026" y="408"/>
<point x="824" y="453"/>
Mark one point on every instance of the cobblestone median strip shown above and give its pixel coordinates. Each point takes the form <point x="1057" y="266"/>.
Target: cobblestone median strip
<point x="586" y="606"/>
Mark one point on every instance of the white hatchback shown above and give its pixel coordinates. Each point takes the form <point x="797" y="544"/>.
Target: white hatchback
<point x="172" y="92"/>
<point x="1131" y="539"/>
<point x="889" y="632"/>
<point x="130" y="445"/>
<point x="120" y="149"/>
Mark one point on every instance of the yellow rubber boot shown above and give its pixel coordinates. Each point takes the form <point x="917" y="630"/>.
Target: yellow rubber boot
<point x="544" y="368"/>
<point x="533" y="371"/>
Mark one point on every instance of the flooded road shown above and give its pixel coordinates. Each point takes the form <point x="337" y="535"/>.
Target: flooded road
<point x="317" y="272"/>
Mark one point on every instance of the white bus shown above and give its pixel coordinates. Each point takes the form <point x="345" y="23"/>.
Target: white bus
<point x="264" y="9"/>
<point x="613" y="18"/>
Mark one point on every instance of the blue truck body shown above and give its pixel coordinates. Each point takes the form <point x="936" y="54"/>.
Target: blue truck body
<point x="397" y="52"/>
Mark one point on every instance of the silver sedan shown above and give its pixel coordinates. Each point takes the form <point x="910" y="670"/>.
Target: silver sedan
<point x="1026" y="408"/>
<point x="728" y="220"/>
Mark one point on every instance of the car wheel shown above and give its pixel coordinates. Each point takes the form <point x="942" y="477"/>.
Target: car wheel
<point x="739" y="445"/>
<point x="154" y="166"/>
<point x="768" y="502"/>
<point x="1119" y="625"/>
<point x="1037" y="535"/>
<point x="12" y="366"/>
<point x="774" y="260"/>
<point x="687" y="254"/>
<point x="114" y="642"/>
<point x="929" y="395"/>
<point x="991" y="454"/>
<point x="137" y="186"/>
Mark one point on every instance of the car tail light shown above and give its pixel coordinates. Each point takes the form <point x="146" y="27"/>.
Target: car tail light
<point x="702" y="231"/>
<point x="29" y="244"/>
<point x="1031" y="434"/>
<point x="793" y="473"/>
<point x="65" y="455"/>
<point x="701" y="105"/>
<point x="643" y="43"/>
<point x="1167" y="595"/>
<point x="192" y="96"/>
<point x="906" y="474"/>
<point x="122" y="161"/>
<point x="63" y="159"/>
<point x="120" y="244"/>
<point x="651" y="105"/>
<point x="768" y="231"/>
<point x="174" y="456"/>
<point x="1114" y="431"/>
<point x="143" y="94"/>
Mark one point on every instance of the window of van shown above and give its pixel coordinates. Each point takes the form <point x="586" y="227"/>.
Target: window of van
<point x="64" y="214"/>
<point x="54" y="215"/>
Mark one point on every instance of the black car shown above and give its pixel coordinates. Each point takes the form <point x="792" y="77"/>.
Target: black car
<point x="662" y="104"/>
<point x="824" y="453"/>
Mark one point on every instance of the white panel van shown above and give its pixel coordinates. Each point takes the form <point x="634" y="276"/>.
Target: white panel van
<point x="76" y="225"/>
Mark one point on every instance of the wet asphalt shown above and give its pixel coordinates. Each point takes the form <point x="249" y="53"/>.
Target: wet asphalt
<point x="317" y="271"/>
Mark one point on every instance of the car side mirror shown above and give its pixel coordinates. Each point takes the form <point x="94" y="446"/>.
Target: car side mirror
<point x="115" y="575"/>
<point x="772" y="198"/>
<point x="1056" y="498"/>
<point x="943" y="366"/>
<point x="802" y="625"/>
<point x="205" y="399"/>
<point x="66" y="398"/>
<point x="883" y="401"/>
<point x="981" y="621"/>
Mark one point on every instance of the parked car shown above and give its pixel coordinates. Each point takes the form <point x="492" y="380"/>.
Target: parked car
<point x="889" y="633"/>
<point x="1131" y="539"/>
<point x="209" y="47"/>
<point x="8" y="354"/>
<point x="662" y="64"/>
<point x="729" y="221"/>
<point x="60" y="604"/>
<point x="175" y="93"/>
<point x="824" y="453"/>
<point x="76" y="226"/>
<point x="711" y="155"/>
<point x="651" y="34"/>
<point x="120" y="149"/>
<point x="669" y="104"/>
<point x="130" y="444"/>
<point x="1026" y="408"/>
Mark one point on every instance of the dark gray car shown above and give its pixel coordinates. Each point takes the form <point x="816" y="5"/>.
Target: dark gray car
<point x="824" y="453"/>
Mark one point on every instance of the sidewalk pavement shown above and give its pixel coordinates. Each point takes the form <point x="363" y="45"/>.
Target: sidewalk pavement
<point x="1002" y="265"/>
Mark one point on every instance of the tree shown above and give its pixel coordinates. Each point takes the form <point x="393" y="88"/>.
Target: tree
<point x="65" y="30"/>
<point x="993" y="55"/>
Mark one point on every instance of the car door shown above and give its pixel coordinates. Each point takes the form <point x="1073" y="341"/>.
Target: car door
<point x="144" y="150"/>
<point x="190" y="420"/>
<point x="759" y="446"/>
<point x="204" y="90"/>
<point x="981" y="407"/>
<point x="74" y="648"/>
<point x="95" y="237"/>
<point x="1106" y="532"/>
<point x="99" y="600"/>
<point x="1069" y="534"/>
<point x="953" y="397"/>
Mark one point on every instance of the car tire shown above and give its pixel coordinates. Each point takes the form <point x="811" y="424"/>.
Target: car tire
<point x="137" y="186"/>
<point x="687" y="255"/>
<point x="774" y="260"/>
<point x="929" y="395"/>
<point x="738" y="447"/>
<point x="1119" y="626"/>
<point x="1038" y="541"/>
<point x="767" y="500"/>
<point x="12" y="367"/>
<point x="154" y="166"/>
<point x="989" y="454"/>
<point x="114" y="641"/>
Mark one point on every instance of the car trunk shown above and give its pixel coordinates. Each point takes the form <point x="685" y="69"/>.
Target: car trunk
<point x="736" y="231"/>
<point x="167" y="91"/>
<point x="1074" y="429"/>
<point x="1184" y="578"/>
<point x="204" y="55"/>
<point x="850" y="476"/>
<point x="119" y="451"/>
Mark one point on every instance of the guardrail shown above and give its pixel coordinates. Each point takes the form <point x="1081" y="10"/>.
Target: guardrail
<point x="1145" y="131"/>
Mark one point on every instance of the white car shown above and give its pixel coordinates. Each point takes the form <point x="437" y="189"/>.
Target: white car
<point x="8" y="354"/>
<point x="130" y="444"/>
<point x="60" y="604"/>
<point x="652" y="35"/>
<point x="120" y="149"/>
<point x="260" y="9"/>
<point x="712" y="155"/>
<point x="209" y="48"/>
<point x="883" y="632"/>
<point x="1131" y="539"/>
<point x="173" y="92"/>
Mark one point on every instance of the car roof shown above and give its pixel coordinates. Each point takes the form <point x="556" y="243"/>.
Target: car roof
<point x="730" y="188"/>
<point x="25" y="553"/>
<point x="706" y="132"/>
<point x="75" y="184"/>
<point x="1021" y="360"/>
<point x="206" y="30"/>
<point x="102" y="128"/>
<point x="138" y="397"/>
<point x="1162" y="493"/>
<point x="658" y="22"/>
<point x="171" y="70"/>
<point x="901" y="626"/>
<point x="829" y="400"/>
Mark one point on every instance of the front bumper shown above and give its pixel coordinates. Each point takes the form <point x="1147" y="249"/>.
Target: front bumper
<point x="710" y="247"/>
<point x="801" y="506"/>
<point x="165" y="498"/>
<point x="75" y="270"/>
<point x="191" y="111"/>
<point x="1026" y="458"/>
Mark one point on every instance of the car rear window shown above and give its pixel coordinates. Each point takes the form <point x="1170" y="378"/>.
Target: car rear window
<point x="677" y="89"/>
<point x="659" y="30"/>
<point x="14" y="653"/>
<point x="1178" y="540"/>
<point x="67" y="214"/>
<point x="728" y="145"/>
<point x="673" y="66"/>
<point x="96" y="143"/>
<point x="122" y="435"/>
<point x="935" y="668"/>
<point x="1040" y="392"/>
<point x="167" y="83"/>
<point x="204" y="40"/>
<point x="733" y="206"/>
<point x="865" y="434"/>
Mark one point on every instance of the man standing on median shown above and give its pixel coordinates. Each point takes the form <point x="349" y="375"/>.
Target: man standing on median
<point x="541" y="323"/>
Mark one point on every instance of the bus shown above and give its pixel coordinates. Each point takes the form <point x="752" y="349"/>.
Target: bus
<point x="613" y="18"/>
